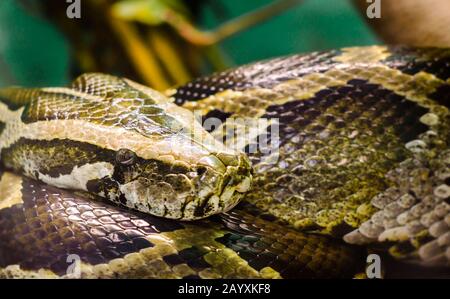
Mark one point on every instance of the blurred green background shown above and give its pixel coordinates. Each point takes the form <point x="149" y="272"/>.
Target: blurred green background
<point x="33" y="52"/>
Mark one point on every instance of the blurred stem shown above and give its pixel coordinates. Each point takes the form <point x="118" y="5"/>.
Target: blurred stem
<point x="168" y="55"/>
<point x="202" y="38"/>
<point x="141" y="56"/>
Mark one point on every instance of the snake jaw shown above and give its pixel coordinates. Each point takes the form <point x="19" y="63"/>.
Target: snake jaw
<point x="221" y="186"/>
<point x="215" y="184"/>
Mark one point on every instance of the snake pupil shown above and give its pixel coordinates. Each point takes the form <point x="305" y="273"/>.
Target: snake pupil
<point x="125" y="156"/>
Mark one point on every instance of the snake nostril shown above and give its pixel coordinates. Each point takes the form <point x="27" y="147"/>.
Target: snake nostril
<point x="201" y="170"/>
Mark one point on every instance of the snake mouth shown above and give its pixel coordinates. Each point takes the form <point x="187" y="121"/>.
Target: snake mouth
<point x="214" y="185"/>
<point x="230" y="177"/>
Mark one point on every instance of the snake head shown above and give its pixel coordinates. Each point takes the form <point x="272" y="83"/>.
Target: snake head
<point x="128" y="143"/>
<point x="182" y="190"/>
<point x="169" y="166"/>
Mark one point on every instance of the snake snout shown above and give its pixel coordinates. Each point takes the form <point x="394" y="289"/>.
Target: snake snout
<point x="222" y="180"/>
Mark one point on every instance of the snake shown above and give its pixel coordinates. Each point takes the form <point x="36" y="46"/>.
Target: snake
<point x="294" y="167"/>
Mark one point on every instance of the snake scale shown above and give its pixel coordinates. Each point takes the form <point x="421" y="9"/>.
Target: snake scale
<point x="355" y="160"/>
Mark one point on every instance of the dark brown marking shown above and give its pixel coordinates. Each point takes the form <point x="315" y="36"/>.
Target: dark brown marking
<point x="412" y="60"/>
<point x="52" y="224"/>
<point x="2" y="127"/>
<point x="442" y="95"/>
<point x="260" y="74"/>
<point x="249" y="238"/>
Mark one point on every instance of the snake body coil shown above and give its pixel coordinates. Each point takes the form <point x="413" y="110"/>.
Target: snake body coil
<point x="344" y="150"/>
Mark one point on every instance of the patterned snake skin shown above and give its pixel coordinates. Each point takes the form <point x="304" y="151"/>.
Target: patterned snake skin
<point x="361" y="162"/>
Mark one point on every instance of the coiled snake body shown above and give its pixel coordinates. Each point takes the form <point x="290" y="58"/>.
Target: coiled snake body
<point x="353" y="154"/>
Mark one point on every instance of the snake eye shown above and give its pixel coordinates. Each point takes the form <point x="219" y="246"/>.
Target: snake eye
<point x="125" y="157"/>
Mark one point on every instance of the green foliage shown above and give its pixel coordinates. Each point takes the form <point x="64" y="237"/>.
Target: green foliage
<point x="34" y="53"/>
